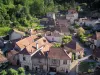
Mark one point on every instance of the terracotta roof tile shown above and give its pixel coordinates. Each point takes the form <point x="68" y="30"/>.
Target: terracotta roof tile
<point x="32" y="47"/>
<point x="26" y="41"/>
<point x="58" y="53"/>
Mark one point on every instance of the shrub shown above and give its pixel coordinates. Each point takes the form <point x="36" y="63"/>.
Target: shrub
<point x="4" y="30"/>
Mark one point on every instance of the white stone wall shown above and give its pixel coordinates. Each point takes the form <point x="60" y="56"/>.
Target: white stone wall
<point x="26" y="62"/>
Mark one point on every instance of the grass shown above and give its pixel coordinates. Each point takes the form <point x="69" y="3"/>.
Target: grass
<point x="4" y="30"/>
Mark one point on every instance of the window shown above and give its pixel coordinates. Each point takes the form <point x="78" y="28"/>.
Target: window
<point x="24" y="58"/>
<point x="54" y="61"/>
<point x="65" y="62"/>
<point x="39" y="61"/>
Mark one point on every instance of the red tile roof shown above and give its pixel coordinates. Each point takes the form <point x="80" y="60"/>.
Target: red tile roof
<point x="58" y="53"/>
<point x="26" y="41"/>
<point x="30" y="49"/>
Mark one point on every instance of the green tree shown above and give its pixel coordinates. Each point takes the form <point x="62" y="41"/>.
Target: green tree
<point x="80" y="31"/>
<point x="66" y="39"/>
<point x="21" y="70"/>
<point x="12" y="72"/>
<point x="3" y="72"/>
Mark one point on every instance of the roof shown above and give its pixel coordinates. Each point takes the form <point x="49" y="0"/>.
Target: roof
<point x="26" y="41"/>
<point x="2" y="59"/>
<point x="17" y="31"/>
<point x="12" y="52"/>
<point x="58" y="53"/>
<point x="72" y="11"/>
<point x="74" y="46"/>
<point x="54" y="33"/>
<point x="30" y="49"/>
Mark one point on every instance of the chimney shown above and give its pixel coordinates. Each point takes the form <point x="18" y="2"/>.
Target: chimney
<point x="36" y="45"/>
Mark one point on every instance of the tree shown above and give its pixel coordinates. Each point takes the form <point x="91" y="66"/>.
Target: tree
<point x="12" y="72"/>
<point x="3" y="72"/>
<point x="80" y="31"/>
<point x="21" y="70"/>
<point x="66" y="39"/>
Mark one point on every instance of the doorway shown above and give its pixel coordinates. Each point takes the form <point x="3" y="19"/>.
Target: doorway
<point x="52" y="69"/>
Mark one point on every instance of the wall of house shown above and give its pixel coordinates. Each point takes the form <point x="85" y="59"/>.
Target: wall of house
<point x="53" y="38"/>
<point x="97" y="43"/>
<point x="12" y="59"/>
<point x="26" y="62"/>
<point x="60" y="67"/>
<point x="51" y="15"/>
<point x="36" y="62"/>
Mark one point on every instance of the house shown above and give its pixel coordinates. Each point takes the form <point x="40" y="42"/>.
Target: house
<point x="48" y="23"/>
<point x="95" y="39"/>
<point x="51" y="15"/>
<point x="59" y="60"/>
<point x="12" y="57"/>
<point x="88" y="22"/>
<point x="75" y="48"/>
<point x="21" y="44"/>
<point x="54" y="36"/>
<point x="32" y="57"/>
<point x="3" y="59"/>
<point x="15" y="34"/>
<point x="72" y="15"/>
<point x="96" y="54"/>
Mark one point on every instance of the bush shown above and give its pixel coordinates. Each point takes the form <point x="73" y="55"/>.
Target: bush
<point x="4" y="31"/>
<point x="21" y="28"/>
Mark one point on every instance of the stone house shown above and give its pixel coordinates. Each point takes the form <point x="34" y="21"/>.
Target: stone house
<point x="40" y="55"/>
<point x="59" y="59"/>
<point x="96" y="53"/>
<point x="72" y="15"/>
<point x="75" y="48"/>
<point x="51" y="15"/>
<point x="95" y="39"/>
<point x="55" y="36"/>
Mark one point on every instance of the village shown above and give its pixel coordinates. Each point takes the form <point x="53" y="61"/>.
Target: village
<point x="68" y="44"/>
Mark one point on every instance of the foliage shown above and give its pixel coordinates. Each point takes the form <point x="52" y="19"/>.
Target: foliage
<point x="57" y="45"/>
<point x="66" y="39"/>
<point x="4" y="30"/>
<point x="21" y="70"/>
<point x="76" y="25"/>
<point x="11" y="71"/>
<point x="3" y="72"/>
<point x="80" y="31"/>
